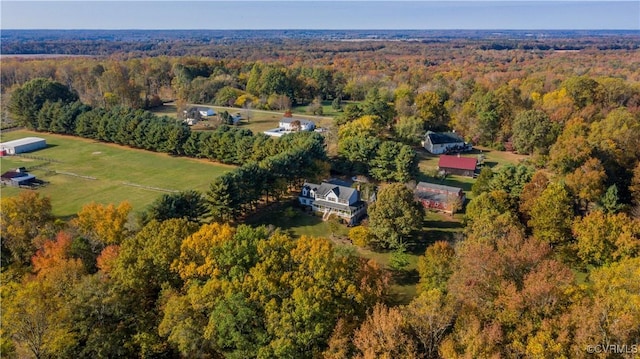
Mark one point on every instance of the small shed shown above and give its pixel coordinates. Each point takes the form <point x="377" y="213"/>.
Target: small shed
<point x="27" y="144"/>
<point x="17" y="177"/>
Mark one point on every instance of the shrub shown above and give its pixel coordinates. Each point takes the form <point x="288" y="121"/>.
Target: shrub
<point x="360" y="236"/>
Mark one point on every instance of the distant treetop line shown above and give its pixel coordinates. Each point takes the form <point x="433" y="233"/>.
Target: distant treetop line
<point x="175" y="42"/>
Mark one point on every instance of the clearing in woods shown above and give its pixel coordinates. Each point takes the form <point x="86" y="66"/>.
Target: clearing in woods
<point x="82" y="170"/>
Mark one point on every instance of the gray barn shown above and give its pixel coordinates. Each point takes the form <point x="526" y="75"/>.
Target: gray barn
<point x="23" y="145"/>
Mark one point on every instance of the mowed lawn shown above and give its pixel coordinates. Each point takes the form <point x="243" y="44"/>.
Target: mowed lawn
<point x="121" y="173"/>
<point x="258" y="121"/>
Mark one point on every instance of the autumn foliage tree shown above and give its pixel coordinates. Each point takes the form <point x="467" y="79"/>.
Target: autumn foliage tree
<point x="604" y="238"/>
<point x="572" y="147"/>
<point x="395" y="216"/>
<point x="531" y="191"/>
<point x="634" y="188"/>
<point x="587" y="181"/>
<point x="384" y="335"/>
<point x="25" y="221"/>
<point x="552" y="216"/>
<point x="602" y="318"/>
<point x="506" y="288"/>
<point x="103" y="224"/>
<point x="430" y="317"/>
<point x="436" y="266"/>
<point x="36" y="311"/>
<point x="248" y="293"/>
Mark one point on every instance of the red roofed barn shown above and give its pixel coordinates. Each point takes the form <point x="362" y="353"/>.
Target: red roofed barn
<point x="463" y="166"/>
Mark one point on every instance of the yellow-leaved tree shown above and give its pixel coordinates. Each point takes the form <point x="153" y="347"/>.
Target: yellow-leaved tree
<point x="196" y="253"/>
<point x="103" y="224"/>
<point x="25" y="221"/>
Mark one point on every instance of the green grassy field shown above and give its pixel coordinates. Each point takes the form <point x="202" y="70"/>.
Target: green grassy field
<point x="327" y="109"/>
<point x="259" y="121"/>
<point x="492" y="158"/>
<point x="119" y="171"/>
<point x="428" y="166"/>
<point x="286" y="216"/>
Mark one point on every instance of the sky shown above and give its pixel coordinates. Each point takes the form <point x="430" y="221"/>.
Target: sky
<point x="265" y="14"/>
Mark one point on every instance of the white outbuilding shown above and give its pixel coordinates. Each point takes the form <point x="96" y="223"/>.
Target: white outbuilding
<point x="27" y="144"/>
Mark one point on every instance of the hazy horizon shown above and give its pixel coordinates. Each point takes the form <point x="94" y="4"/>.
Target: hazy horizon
<point x="321" y="15"/>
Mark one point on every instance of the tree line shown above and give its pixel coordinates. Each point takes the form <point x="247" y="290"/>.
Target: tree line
<point x="46" y="105"/>
<point x="238" y="192"/>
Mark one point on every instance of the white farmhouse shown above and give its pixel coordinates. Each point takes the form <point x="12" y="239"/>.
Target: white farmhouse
<point x="296" y="124"/>
<point x="328" y="198"/>
<point x="444" y="142"/>
<point x="290" y="125"/>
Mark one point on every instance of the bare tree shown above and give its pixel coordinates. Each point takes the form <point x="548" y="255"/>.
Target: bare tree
<point x="296" y="125"/>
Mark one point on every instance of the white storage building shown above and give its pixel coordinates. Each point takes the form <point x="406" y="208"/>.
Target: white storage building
<point x="23" y="145"/>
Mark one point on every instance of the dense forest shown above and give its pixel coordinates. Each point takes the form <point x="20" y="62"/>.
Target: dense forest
<point x="243" y="43"/>
<point x="547" y="265"/>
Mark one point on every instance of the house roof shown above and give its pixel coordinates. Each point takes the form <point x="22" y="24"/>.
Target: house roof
<point x="13" y="174"/>
<point x="22" y="141"/>
<point x="424" y="186"/>
<point x="462" y="163"/>
<point x="28" y="177"/>
<point x="342" y="192"/>
<point x="438" y="138"/>
<point x="433" y="197"/>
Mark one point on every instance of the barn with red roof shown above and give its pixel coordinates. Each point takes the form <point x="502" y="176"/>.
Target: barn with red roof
<point x="463" y="166"/>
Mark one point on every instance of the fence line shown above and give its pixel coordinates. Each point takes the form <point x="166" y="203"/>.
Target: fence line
<point x="37" y="158"/>
<point x="75" y="175"/>
<point x="150" y="187"/>
<point x="37" y="166"/>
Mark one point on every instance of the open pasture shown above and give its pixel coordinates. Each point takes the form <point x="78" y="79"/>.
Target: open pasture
<point x="254" y="120"/>
<point x="121" y="173"/>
